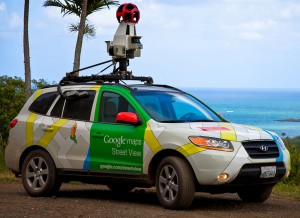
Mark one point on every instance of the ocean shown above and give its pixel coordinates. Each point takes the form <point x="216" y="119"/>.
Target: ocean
<point x="260" y="108"/>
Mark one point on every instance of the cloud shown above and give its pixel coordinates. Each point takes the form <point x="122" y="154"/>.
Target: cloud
<point x="252" y="36"/>
<point x="253" y="30"/>
<point x="15" y="21"/>
<point x="260" y="25"/>
<point x="291" y="10"/>
<point x="2" y="7"/>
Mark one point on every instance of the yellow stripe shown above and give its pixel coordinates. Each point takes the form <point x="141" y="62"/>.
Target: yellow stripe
<point x="30" y="122"/>
<point x="151" y="140"/>
<point x="48" y="136"/>
<point x="96" y="88"/>
<point x="29" y="128"/>
<point x="228" y="134"/>
<point x="189" y="149"/>
<point x="37" y="94"/>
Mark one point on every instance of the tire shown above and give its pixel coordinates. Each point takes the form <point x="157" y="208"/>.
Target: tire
<point x="256" y="194"/>
<point x="39" y="175"/>
<point x="175" y="184"/>
<point x="120" y="187"/>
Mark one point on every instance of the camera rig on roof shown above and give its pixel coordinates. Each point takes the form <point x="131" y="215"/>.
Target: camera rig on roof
<point x="125" y="45"/>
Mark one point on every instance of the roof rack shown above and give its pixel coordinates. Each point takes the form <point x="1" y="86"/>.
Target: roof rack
<point x="113" y="77"/>
<point x="106" y="78"/>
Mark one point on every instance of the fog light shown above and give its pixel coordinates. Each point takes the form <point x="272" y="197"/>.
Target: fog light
<point x="222" y="177"/>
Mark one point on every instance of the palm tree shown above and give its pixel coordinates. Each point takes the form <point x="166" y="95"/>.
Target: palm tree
<point x="81" y="8"/>
<point x="26" y="50"/>
<point x="76" y="64"/>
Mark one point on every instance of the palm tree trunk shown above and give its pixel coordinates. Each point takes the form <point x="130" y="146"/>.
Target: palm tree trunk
<point x="26" y="51"/>
<point x="76" y="64"/>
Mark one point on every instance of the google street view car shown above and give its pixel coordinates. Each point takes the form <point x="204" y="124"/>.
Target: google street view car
<point x="96" y="129"/>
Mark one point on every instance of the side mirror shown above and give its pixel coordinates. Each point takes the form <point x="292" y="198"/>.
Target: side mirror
<point x="128" y="117"/>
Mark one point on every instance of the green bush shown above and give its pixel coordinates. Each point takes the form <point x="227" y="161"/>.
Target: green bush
<point x="12" y="92"/>
<point x="3" y="167"/>
<point x="293" y="145"/>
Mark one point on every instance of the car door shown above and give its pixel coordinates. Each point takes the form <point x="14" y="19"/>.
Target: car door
<point x="67" y="130"/>
<point x="116" y="147"/>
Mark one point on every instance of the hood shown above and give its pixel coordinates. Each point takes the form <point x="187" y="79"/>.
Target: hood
<point x="230" y="131"/>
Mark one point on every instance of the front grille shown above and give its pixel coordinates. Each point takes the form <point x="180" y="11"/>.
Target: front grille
<point x="261" y="149"/>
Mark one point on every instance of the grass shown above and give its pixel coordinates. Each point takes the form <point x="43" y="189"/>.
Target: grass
<point x="287" y="190"/>
<point x="5" y="173"/>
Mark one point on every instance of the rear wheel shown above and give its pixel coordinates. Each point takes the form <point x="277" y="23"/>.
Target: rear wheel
<point x="175" y="185"/>
<point x="256" y="194"/>
<point x="39" y="175"/>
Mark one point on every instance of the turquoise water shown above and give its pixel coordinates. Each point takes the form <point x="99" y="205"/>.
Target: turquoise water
<point x="255" y="107"/>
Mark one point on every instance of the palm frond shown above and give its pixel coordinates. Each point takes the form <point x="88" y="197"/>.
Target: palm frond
<point x="97" y="5"/>
<point x="67" y="7"/>
<point x="89" y="30"/>
<point x="75" y="6"/>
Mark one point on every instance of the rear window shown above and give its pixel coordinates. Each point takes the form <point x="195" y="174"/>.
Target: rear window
<point x="78" y="109"/>
<point x="42" y="104"/>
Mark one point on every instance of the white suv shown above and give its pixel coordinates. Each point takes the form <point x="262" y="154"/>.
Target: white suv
<point x="127" y="136"/>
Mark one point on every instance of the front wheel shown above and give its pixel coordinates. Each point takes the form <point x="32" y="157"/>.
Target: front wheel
<point x="39" y="175"/>
<point x="175" y="184"/>
<point x="256" y="194"/>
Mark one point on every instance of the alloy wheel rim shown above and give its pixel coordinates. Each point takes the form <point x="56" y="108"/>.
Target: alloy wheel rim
<point x="37" y="173"/>
<point x="168" y="183"/>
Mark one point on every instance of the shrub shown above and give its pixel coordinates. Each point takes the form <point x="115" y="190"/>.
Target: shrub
<point x="293" y="145"/>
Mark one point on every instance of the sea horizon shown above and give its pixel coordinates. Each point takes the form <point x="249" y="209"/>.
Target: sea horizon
<point x="260" y="107"/>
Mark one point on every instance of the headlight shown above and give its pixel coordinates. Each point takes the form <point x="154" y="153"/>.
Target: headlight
<point x="212" y="143"/>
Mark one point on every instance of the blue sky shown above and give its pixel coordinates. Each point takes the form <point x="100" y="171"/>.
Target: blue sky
<point x="216" y="44"/>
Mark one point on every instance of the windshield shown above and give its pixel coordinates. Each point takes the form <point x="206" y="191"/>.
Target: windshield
<point x="174" y="107"/>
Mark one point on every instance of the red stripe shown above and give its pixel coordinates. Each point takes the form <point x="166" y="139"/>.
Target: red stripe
<point x="216" y="128"/>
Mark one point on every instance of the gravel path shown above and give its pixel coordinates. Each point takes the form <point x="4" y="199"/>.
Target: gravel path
<point x="97" y="201"/>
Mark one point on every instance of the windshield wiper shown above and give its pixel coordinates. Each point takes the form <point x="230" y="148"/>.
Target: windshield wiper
<point x="174" y="121"/>
<point x="202" y="121"/>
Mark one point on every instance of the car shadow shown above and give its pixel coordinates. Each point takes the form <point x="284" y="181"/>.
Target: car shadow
<point x="202" y="201"/>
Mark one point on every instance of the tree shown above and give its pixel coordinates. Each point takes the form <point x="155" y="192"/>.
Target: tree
<point x="13" y="97"/>
<point x="76" y="64"/>
<point x="26" y="51"/>
<point x="38" y="84"/>
<point x="82" y="9"/>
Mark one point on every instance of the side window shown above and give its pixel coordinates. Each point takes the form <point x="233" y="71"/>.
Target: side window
<point x="111" y="105"/>
<point x="58" y="108"/>
<point x="78" y="109"/>
<point x="42" y="104"/>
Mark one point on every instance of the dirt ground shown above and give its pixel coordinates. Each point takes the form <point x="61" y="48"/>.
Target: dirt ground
<point x="81" y="200"/>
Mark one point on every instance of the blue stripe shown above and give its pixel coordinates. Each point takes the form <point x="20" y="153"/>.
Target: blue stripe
<point x="280" y="158"/>
<point x="86" y="164"/>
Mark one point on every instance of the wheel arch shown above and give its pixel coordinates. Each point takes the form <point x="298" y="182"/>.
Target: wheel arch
<point x="27" y="151"/>
<point x="160" y="156"/>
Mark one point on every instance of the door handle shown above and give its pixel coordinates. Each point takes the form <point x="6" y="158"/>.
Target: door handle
<point x="98" y="135"/>
<point x="47" y="129"/>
